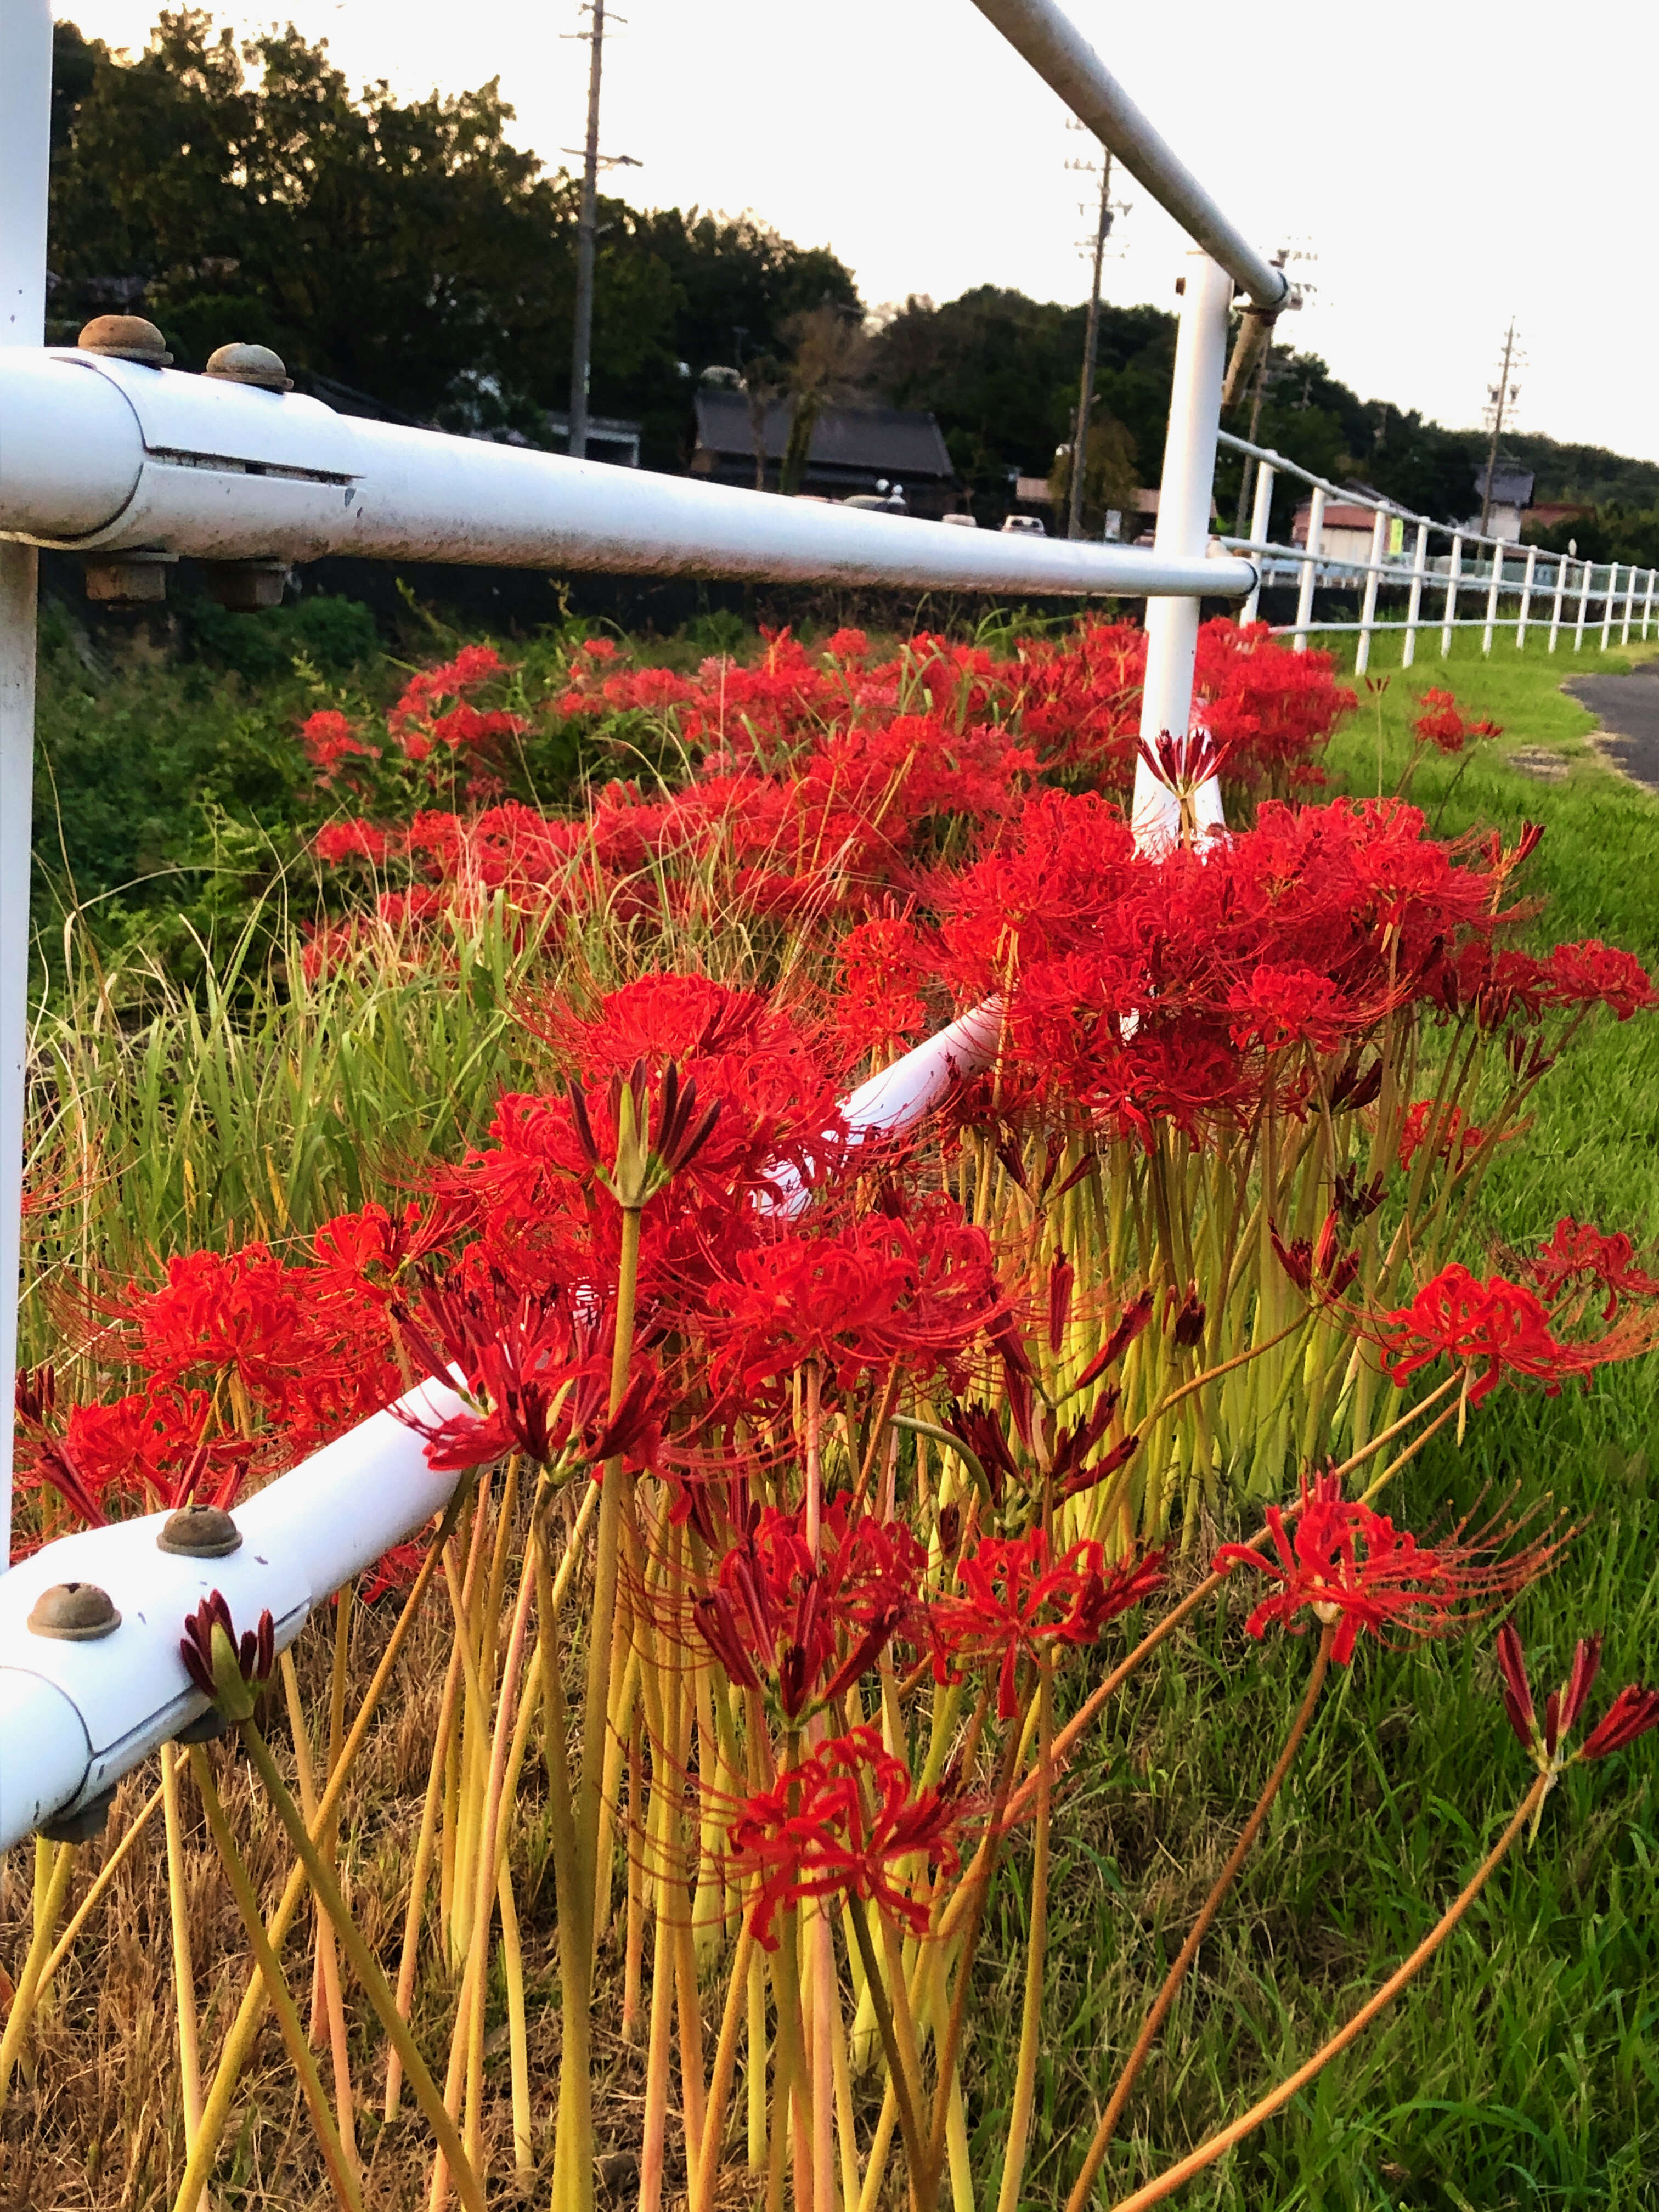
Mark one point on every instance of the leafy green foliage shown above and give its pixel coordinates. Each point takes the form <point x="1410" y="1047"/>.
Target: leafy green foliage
<point x="411" y="251"/>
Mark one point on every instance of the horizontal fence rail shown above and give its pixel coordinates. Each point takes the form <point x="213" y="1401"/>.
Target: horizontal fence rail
<point x="1474" y="570"/>
<point x="108" y="456"/>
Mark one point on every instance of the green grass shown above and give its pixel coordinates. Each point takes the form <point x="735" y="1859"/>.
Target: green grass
<point x="1523" y="2070"/>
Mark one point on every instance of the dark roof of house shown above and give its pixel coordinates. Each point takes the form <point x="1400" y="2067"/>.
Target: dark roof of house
<point x="892" y="439"/>
<point x="1510" y="487"/>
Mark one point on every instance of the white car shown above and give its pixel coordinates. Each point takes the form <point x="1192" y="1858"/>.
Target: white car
<point x="1025" y="526"/>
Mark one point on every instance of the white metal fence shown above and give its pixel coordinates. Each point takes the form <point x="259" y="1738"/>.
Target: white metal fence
<point x="124" y="461"/>
<point x="1505" y="582"/>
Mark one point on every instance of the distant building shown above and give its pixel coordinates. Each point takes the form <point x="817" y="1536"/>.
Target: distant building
<point x="854" y="450"/>
<point x="1548" y="515"/>
<point x="1512" y="496"/>
<point x="609" y="439"/>
<point x="1346" y="532"/>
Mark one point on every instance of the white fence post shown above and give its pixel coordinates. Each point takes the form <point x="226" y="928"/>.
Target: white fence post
<point x="1414" y="604"/>
<point x="1647" y="604"/>
<point x="1525" y="615"/>
<point x="1261" y="511"/>
<point x="1368" y="612"/>
<point x="25" y="141"/>
<point x="1607" y="598"/>
<point x="1449" y="616"/>
<point x="1492" y="590"/>
<point x="1304" y="590"/>
<point x="1629" y="600"/>
<point x="1183" y="520"/>
<point x="1584" y="607"/>
<point x="1560" y="592"/>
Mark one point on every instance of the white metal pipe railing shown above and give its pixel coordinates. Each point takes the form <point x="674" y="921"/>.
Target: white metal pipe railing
<point x="1525" y="615"/>
<point x="1310" y="567"/>
<point x="1260" y="524"/>
<point x="1066" y="61"/>
<point x="1182" y="532"/>
<point x="106" y="456"/>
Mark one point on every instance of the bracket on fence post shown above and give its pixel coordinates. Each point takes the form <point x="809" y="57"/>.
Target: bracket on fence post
<point x="1184" y="525"/>
<point x="25" y="152"/>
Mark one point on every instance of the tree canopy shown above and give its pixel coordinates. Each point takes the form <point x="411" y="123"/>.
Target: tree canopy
<point x="235" y="190"/>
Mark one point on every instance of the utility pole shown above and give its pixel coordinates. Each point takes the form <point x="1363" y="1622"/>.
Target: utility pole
<point x="1091" y="344"/>
<point x="586" y="233"/>
<point x="1500" y="400"/>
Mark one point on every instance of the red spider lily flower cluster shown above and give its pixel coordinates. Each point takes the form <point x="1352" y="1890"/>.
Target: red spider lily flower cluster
<point x="1496" y="1329"/>
<point x="846" y="1821"/>
<point x="222" y="1666"/>
<point x="821" y="779"/>
<point x="1350" y="1567"/>
<point x="1580" y="1259"/>
<point x="1442" y="723"/>
<point x="1631" y="1715"/>
<point x="1016" y="1602"/>
<point x="811" y="1626"/>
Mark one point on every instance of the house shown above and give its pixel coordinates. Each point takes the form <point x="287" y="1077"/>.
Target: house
<point x="1550" y="514"/>
<point x="609" y="438"/>
<point x="1511" y="495"/>
<point x="1346" y="532"/>
<point x="853" y="449"/>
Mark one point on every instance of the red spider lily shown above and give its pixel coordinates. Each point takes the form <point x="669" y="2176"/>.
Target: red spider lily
<point x="1442" y="723"/>
<point x="1183" y="764"/>
<point x="1580" y="1257"/>
<point x="539" y="1377"/>
<point x="1490" y="1329"/>
<point x="814" y="1624"/>
<point x="979" y="1428"/>
<point x="645" y="1158"/>
<point x="859" y="1298"/>
<point x="1631" y="1715"/>
<point x="1318" y="1267"/>
<point x="1134" y="1318"/>
<point x="1455" y="1137"/>
<point x="1015" y="1602"/>
<point x="152" y="1446"/>
<point x="220" y="1666"/>
<point x="843" y="1823"/>
<point x="1353" y="1569"/>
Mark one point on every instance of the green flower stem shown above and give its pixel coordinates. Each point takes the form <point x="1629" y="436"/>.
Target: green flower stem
<point x="1030" y="2030"/>
<point x="1213" y="2148"/>
<point x="365" y="1965"/>
<point x="53" y="1863"/>
<point x="282" y="1998"/>
<point x="897" y="2076"/>
<point x="239" y="2042"/>
<point x="1200" y="1927"/>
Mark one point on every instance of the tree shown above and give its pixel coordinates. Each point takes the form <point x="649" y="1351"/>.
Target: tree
<point x="1110" y="475"/>
<point x="411" y="251"/>
<point x="830" y="360"/>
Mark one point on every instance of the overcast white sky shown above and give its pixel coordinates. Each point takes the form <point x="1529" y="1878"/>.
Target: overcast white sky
<point x="1451" y="164"/>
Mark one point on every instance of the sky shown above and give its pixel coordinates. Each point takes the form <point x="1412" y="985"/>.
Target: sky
<point x="1448" y="167"/>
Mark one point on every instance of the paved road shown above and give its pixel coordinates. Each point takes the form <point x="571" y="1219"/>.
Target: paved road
<point x="1628" y="709"/>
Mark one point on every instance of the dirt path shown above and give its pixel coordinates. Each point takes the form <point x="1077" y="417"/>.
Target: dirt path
<point x="1627" y="708"/>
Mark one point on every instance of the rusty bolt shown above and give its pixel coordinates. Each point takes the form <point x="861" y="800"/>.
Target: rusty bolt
<point x="199" y="1531"/>
<point x="75" y="1613"/>
<point x="250" y="364"/>
<point x="243" y="588"/>
<point x="126" y="338"/>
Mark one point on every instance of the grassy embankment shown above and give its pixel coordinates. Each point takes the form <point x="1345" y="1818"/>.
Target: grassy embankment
<point x="1523" y="2070"/>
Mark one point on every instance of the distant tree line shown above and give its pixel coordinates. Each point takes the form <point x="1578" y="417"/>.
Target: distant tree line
<point x="411" y="252"/>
